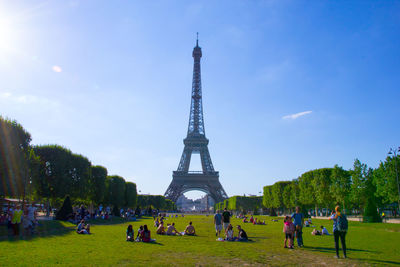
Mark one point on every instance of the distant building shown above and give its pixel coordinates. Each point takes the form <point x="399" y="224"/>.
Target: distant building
<point x="199" y="205"/>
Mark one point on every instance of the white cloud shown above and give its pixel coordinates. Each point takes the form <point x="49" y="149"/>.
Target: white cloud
<point x="27" y="99"/>
<point x="57" y="69"/>
<point x="296" y="115"/>
<point x="5" y="95"/>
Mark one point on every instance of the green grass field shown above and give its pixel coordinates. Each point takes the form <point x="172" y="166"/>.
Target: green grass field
<point x="58" y="244"/>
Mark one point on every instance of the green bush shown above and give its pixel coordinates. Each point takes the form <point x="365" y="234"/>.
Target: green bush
<point x="65" y="211"/>
<point x="115" y="211"/>
<point x="371" y="212"/>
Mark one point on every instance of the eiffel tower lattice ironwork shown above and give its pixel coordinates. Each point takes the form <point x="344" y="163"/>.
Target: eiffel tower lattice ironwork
<point x="206" y="180"/>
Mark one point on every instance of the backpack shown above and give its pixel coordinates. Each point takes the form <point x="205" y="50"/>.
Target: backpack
<point x="342" y="223"/>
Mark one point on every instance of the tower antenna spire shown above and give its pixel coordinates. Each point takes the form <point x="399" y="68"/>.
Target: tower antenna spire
<point x="197" y="39"/>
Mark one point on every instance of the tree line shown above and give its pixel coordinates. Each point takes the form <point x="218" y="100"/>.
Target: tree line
<point x="360" y="189"/>
<point x="242" y="204"/>
<point x="52" y="172"/>
<point x="156" y="202"/>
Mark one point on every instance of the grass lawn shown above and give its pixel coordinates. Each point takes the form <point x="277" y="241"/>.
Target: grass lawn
<point x="58" y="244"/>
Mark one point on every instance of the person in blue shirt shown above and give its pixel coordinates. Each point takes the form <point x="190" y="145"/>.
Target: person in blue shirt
<point x="298" y="221"/>
<point x="218" y="223"/>
<point x="338" y="234"/>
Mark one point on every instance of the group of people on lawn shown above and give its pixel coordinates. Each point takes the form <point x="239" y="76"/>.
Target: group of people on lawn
<point x="15" y="216"/>
<point x="292" y="228"/>
<point x="170" y="228"/>
<point x="223" y="220"/>
<point x="144" y="234"/>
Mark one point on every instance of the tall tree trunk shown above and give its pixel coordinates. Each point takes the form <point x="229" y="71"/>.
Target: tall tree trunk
<point x="316" y="210"/>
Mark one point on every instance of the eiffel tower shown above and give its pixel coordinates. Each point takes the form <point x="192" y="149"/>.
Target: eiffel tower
<point x="206" y="180"/>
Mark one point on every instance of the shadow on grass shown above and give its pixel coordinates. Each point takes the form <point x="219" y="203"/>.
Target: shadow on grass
<point x="329" y="249"/>
<point x="152" y="243"/>
<point x="110" y="221"/>
<point x="44" y="229"/>
<point x="368" y="260"/>
<point x="381" y="262"/>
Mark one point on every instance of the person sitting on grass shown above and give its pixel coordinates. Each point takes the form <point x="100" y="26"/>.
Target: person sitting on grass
<point x="156" y="223"/>
<point x="190" y="229"/>
<point x="242" y="236"/>
<point x="130" y="234"/>
<point x="82" y="228"/>
<point x="145" y="236"/>
<point x="245" y="220"/>
<point x="171" y="230"/>
<point x="229" y="233"/>
<point x="251" y="219"/>
<point x="316" y="232"/>
<point x="324" y="231"/>
<point x="161" y="229"/>
<point x="139" y="234"/>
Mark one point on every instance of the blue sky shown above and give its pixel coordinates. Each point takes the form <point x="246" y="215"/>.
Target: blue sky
<point x="288" y="86"/>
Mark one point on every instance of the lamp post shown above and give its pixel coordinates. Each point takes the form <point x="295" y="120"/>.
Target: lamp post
<point x="394" y="152"/>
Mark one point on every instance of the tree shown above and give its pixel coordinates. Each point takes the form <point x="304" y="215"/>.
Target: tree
<point x="116" y="190"/>
<point x="130" y="194"/>
<point x="267" y="197"/>
<point x="64" y="172"/>
<point x="290" y="195"/>
<point x="306" y="189"/>
<point x="322" y="184"/>
<point x="277" y="194"/>
<point x="66" y="210"/>
<point x="242" y="203"/>
<point x="14" y="158"/>
<point x="97" y="183"/>
<point x="340" y="185"/>
<point x="371" y="211"/>
<point x="386" y="181"/>
<point x="358" y="192"/>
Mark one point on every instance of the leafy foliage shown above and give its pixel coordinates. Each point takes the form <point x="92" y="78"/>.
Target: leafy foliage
<point x="97" y="182"/>
<point x="156" y="202"/>
<point x="130" y="194"/>
<point x="14" y="158"/>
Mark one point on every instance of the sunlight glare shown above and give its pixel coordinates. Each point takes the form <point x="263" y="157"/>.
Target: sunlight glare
<point x="8" y="35"/>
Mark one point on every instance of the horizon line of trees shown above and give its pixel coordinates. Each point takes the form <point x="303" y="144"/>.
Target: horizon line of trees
<point x="52" y="172"/>
<point x="360" y="189"/>
<point x="241" y="203"/>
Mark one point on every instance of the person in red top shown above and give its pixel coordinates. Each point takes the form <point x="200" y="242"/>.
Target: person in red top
<point x="145" y="235"/>
<point x="288" y="229"/>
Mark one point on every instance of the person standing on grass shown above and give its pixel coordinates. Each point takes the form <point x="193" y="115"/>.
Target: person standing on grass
<point x="32" y="217"/>
<point x="288" y="229"/>
<point x="16" y="219"/>
<point x="218" y="223"/>
<point x="339" y="230"/>
<point x="226" y="216"/>
<point x="298" y="221"/>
